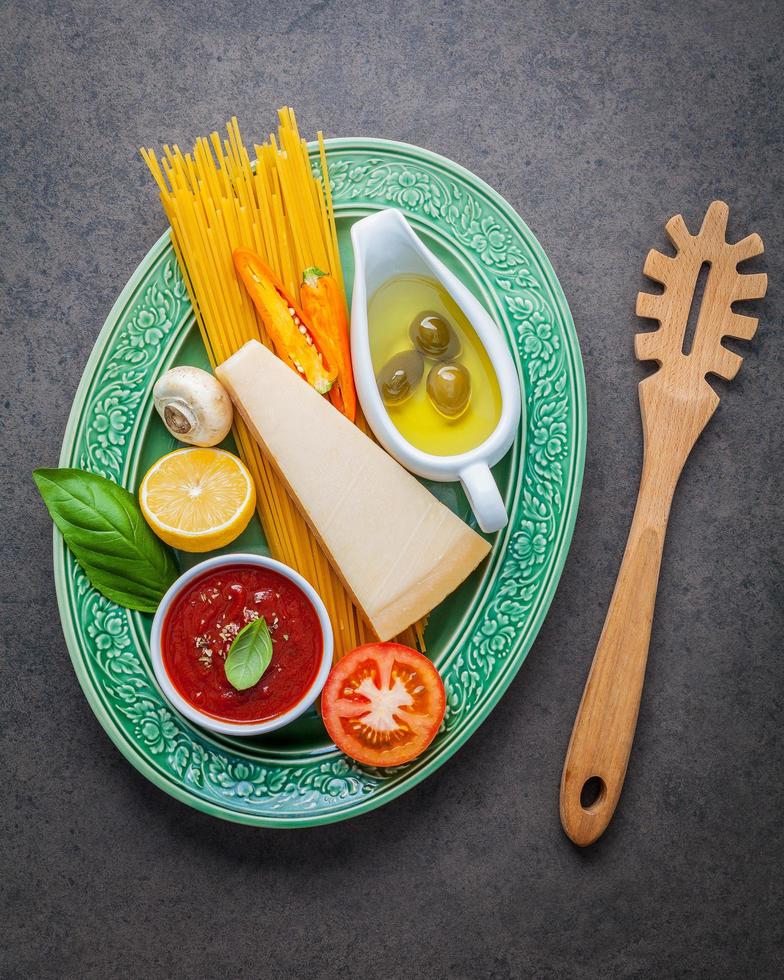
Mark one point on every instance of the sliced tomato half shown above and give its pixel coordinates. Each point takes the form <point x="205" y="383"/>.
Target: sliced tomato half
<point x="383" y="704"/>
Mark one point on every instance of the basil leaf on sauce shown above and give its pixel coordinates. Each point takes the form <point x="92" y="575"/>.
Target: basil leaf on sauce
<point x="104" y="527"/>
<point x="249" y="655"/>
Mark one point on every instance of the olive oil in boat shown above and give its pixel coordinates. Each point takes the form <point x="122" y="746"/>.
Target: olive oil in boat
<point x="433" y="373"/>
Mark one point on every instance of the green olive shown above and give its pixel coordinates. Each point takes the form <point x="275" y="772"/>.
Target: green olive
<point x="449" y="388"/>
<point x="399" y="377"/>
<point x="432" y="335"/>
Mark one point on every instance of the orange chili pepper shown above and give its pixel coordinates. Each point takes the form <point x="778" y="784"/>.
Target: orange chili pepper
<point x="287" y="326"/>
<point x="325" y="307"/>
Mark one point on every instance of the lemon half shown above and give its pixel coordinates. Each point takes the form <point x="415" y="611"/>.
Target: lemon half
<point x="198" y="499"/>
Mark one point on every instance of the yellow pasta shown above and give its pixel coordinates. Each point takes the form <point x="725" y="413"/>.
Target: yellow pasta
<point x="216" y="202"/>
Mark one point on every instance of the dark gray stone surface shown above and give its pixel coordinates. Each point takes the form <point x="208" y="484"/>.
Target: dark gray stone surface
<point x="597" y="121"/>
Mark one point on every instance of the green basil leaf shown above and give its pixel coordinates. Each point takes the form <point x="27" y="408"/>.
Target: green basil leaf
<point x="104" y="527"/>
<point x="249" y="655"/>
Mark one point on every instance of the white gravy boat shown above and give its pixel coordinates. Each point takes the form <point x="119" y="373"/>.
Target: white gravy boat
<point x="385" y="246"/>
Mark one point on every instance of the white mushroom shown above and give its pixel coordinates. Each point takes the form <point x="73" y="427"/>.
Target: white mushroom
<point x="194" y="406"/>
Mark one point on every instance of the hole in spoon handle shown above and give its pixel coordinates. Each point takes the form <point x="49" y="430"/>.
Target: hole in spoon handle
<point x="593" y="792"/>
<point x="588" y="801"/>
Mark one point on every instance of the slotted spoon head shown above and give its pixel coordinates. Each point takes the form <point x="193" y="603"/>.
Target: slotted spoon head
<point x="680" y="385"/>
<point x="676" y="403"/>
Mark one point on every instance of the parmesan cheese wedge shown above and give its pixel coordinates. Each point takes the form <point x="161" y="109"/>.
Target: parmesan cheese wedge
<point x="398" y="550"/>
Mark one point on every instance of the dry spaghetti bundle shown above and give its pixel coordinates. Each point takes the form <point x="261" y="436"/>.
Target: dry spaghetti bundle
<point x="217" y="202"/>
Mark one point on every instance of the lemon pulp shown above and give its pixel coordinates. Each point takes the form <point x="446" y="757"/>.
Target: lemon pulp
<point x="197" y="499"/>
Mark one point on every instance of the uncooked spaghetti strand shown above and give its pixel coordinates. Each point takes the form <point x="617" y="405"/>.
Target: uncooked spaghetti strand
<point x="217" y="201"/>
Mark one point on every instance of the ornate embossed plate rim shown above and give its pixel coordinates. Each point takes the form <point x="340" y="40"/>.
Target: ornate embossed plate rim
<point x="494" y="685"/>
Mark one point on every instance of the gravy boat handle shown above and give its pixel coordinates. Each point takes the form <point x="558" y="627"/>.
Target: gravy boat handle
<point x="484" y="497"/>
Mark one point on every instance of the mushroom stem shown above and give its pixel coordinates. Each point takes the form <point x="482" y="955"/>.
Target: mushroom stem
<point x="193" y="405"/>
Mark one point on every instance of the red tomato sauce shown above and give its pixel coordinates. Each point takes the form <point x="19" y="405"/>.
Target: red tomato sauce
<point x="202" y="623"/>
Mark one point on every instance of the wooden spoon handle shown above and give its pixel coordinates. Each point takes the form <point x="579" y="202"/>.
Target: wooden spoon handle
<point x="603" y="732"/>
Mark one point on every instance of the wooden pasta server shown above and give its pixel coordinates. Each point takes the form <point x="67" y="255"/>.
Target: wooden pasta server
<point x="676" y="403"/>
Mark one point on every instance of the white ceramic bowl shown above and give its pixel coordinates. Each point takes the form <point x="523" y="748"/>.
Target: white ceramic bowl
<point x="386" y="246"/>
<point x="208" y="721"/>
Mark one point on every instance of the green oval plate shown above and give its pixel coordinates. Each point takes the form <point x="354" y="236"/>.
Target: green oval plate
<point x="478" y="637"/>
